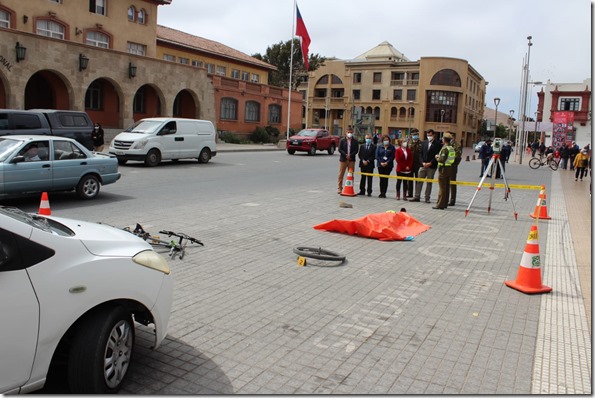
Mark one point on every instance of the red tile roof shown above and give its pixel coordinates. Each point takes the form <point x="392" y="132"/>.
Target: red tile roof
<point x="177" y="37"/>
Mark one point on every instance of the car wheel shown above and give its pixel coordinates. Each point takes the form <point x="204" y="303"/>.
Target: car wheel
<point x="88" y="187"/>
<point x="153" y="158"/>
<point x="291" y="151"/>
<point x="101" y="352"/>
<point x="122" y="162"/>
<point x="331" y="150"/>
<point x="205" y="156"/>
<point x="312" y="150"/>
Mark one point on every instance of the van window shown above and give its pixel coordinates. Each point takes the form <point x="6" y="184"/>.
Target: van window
<point x="25" y="122"/>
<point x="169" y="128"/>
<point x="3" y="121"/>
<point x="73" y="121"/>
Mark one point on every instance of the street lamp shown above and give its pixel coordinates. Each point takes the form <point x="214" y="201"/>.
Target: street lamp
<point x="409" y="128"/>
<point x="511" y="122"/>
<point x="496" y="102"/>
<point x="535" y="128"/>
<point x="442" y="116"/>
<point x="524" y="101"/>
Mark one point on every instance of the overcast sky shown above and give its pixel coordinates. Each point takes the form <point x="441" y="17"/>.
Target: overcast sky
<point x="490" y="34"/>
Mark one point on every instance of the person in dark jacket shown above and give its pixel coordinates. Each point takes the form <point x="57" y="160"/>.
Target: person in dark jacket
<point x="97" y="137"/>
<point x="564" y="156"/>
<point x="429" y="149"/>
<point x="385" y="159"/>
<point x="367" y="155"/>
<point x="348" y="148"/>
<point x="485" y="154"/>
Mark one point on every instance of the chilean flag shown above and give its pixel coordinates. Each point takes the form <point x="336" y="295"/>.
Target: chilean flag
<point x="302" y="32"/>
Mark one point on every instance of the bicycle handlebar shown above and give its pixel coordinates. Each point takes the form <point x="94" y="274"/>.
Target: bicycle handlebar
<point x="181" y="236"/>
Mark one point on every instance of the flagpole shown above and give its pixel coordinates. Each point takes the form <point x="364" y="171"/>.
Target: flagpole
<point x="290" y="70"/>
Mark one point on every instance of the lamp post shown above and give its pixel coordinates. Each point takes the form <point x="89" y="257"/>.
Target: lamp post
<point x="524" y="101"/>
<point x="535" y="128"/>
<point x="496" y="102"/>
<point x="511" y="122"/>
<point x="409" y="128"/>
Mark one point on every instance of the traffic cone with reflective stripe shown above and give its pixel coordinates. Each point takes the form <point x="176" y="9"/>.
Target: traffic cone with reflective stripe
<point x="348" y="188"/>
<point x="541" y="206"/>
<point x="44" y="206"/>
<point x="528" y="279"/>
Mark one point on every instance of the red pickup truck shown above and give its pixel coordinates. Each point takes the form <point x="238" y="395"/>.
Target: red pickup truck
<point x="312" y="140"/>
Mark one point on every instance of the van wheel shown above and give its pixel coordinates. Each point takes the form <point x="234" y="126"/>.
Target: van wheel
<point x="205" y="156"/>
<point x="153" y="158"/>
<point x="88" y="187"/>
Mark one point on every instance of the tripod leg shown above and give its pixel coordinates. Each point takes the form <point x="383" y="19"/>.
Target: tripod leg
<point x="508" y="192"/>
<point x="492" y="175"/>
<point x="485" y="173"/>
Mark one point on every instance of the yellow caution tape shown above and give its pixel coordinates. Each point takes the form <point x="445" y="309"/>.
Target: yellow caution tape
<point x="465" y="183"/>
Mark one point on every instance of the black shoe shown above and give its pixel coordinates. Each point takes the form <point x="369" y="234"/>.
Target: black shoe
<point x="369" y="193"/>
<point x="438" y="208"/>
<point x="451" y="204"/>
<point x="361" y="193"/>
<point x="414" y="200"/>
<point x="382" y="195"/>
<point x="427" y="200"/>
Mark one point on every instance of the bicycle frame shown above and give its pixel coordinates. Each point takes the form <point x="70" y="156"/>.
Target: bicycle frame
<point x="175" y="248"/>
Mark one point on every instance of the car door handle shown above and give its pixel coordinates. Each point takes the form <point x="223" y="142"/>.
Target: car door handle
<point x="46" y="166"/>
<point x="83" y="163"/>
<point x="179" y="138"/>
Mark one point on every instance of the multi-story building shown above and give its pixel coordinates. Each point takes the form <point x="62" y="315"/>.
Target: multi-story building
<point x="384" y="91"/>
<point x="111" y="59"/>
<point x="573" y="98"/>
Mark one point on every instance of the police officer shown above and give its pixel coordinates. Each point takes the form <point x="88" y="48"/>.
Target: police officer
<point x="455" y="167"/>
<point x="446" y="159"/>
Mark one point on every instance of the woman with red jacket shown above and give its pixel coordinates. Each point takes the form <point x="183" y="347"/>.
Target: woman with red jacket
<point x="404" y="160"/>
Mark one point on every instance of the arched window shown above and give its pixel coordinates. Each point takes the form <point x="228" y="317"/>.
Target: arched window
<point x="48" y="28"/>
<point x="322" y="80"/>
<point x="274" y="113"/>
<point x="336" y="79"/>
<point x="229" y="109"/>
<point x="141" y="16"/>
<point x="252" y="111"/>
<point x="97" y="39"/>
<point x="393" y="112"/>
<point x="446" y="77"/>
<point x="131" y="13"/>
<point x="402" y="112"/>
<point x="377" y="113"/>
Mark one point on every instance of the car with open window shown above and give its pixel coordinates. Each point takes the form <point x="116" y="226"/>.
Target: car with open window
<point x="33" y="164"/>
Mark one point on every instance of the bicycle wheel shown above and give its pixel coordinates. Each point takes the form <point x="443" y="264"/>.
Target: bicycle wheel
<point x="318" y="253"/>
<point x="534" y="163"/>
<point x="553" y="165"/>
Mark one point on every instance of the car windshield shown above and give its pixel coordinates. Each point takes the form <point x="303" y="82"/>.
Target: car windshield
<point x="308" y="133"/>
<point x="36" y="221"/>
<point x="144" y="127"/>
<point x="7" y="146"/>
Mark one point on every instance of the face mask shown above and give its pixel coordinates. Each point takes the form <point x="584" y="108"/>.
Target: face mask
<point x="96" y="127"/>
<point x="404" y="145"/>
<point x="349" y="135"/>
<point x="430" y="137"/>
<point x="368" y="140"/>
<point x="385" y="143"/>
<point x="415" y="138"/>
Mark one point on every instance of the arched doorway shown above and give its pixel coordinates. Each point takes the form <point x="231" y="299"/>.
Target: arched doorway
<point x="185" y="105"/>
<point x="102" y="103"/>
<point x="146" y="103"/>
<point x="46" y="90"/>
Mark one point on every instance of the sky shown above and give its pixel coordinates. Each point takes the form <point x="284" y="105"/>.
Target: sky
<point x="490" y="35"/>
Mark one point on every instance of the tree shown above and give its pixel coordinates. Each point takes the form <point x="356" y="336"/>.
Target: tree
<point x="279" y="55"/>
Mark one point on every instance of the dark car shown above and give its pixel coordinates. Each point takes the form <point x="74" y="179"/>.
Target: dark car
<point x="72" y="124"/>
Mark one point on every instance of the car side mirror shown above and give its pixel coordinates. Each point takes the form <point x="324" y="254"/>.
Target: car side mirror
<point x="18" y="159"/>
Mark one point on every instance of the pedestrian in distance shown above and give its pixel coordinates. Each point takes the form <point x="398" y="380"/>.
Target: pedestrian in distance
<point x="404" y="159"/>
<point x="97" y="137"/>
<point x="534" y="148"/>
<point x="564" y="155"/>
<point x="415" y="146"/>
<point x="581" y="164"/>
<point x="385" y="158"/>
<point x="348" y="148"/>
<point x="542" y="149"/>
<point x="485" y="154"/>
<point x="446" y="159"/>
<point x="574" y="150"/>
<point x="504" y="156"/>
<point x="367" y="155"/>
<point x="429" y="164"/>
<point x="454" y="169"/>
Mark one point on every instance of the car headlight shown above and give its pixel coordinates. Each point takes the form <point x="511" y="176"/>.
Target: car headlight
<point x="151" y="259"/>
<point x="140" y="144"/>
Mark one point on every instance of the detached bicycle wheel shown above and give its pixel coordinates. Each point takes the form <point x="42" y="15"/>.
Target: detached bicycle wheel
<point x="318" y="253"/>
<point x="534" y="163"/>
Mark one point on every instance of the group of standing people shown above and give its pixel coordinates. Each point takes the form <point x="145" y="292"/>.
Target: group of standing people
<point x="413" y="158"/>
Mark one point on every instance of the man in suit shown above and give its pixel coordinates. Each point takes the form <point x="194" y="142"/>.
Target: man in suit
<point x="429" y="149"/>
<point x="367" y="155"/>
<point x="348" y="148"/>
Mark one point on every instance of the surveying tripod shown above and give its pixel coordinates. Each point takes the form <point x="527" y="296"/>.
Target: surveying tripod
<point x="490" y="170"/>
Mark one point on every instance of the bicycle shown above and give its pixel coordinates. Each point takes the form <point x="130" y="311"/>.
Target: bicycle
<point x="176" y="248"/>
<point x="536" y="163"/>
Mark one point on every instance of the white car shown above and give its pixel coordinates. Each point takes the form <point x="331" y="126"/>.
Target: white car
<point x="70" y="292"/>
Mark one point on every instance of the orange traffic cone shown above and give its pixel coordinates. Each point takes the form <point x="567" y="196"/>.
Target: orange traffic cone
<point x="44" y="206"/>
<point x="541" y="207"/>
<point x="528" y="279"/>
<point x="348" y="188"/>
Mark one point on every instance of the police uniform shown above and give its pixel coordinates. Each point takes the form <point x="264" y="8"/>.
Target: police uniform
<point x="453" y="172"/>
<point x="446" y="158"/>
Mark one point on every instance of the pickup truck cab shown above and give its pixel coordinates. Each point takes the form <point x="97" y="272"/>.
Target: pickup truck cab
<point x="312" y="140"/>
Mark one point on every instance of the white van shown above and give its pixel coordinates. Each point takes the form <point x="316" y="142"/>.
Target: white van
<point x="162" y="138"/>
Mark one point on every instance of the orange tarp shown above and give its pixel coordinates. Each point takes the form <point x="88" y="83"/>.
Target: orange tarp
<point x="382" y="226"/>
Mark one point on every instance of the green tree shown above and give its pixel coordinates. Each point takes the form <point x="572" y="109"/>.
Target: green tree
<point x="279" y="55"/>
